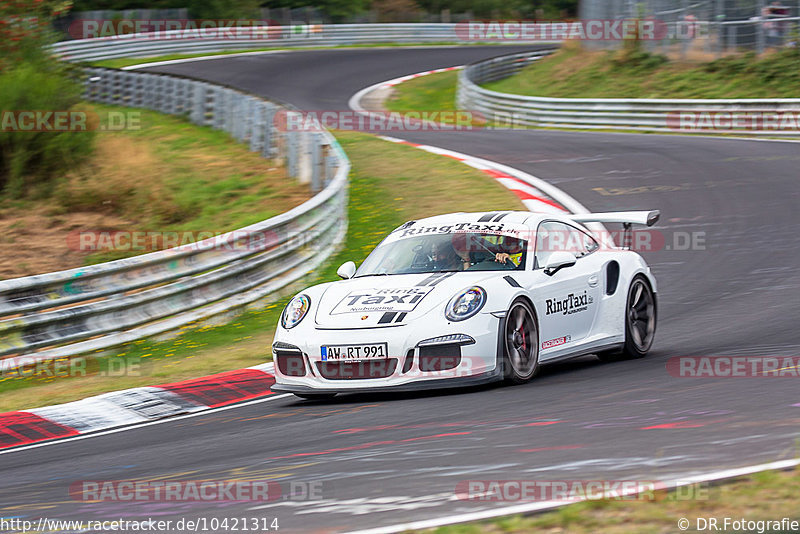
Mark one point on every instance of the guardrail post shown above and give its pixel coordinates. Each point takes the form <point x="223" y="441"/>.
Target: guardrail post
<point x="218" y="117"/>
<point x="239" y="116"/>
<point x="760" y="36"/>
<point x="731" y="35"/>
<point x="330" y="159"/>
<point x="137" y="90"/>
<point x="256" y="126"/>
<point x="179" y="101"/>
<point x="317" y="170"/>
<point x="292" y="153"/>
<point x="199" y="99"/>
<point x="92" y="84"/>
<point x="268" y="130"/>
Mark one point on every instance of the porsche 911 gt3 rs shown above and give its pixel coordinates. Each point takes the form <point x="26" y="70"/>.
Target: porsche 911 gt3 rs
<point x="466" y="298"/>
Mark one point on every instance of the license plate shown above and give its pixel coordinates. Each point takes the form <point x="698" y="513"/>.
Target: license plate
<point x="365" y="351"/>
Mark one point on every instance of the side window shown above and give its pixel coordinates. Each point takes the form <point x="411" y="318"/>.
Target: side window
<point x="588" y="243"/>
<point x="553" y="236"/>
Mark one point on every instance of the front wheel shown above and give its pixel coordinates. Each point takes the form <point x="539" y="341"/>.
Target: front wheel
<point x="640" y="322"/>
<point x="521" y="343"/>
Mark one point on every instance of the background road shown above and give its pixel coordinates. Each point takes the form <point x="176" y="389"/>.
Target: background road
<point x="386" y="459"/>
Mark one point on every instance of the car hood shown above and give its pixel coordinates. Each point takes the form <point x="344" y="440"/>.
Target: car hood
<point x="386" y="301"/>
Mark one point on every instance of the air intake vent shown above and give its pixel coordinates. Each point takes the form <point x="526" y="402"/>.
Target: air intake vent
<point x="290" y="363"/>
<point x="409" y="361"/>
<point x="612" y="277"/>
<point x="357" y="370"/>
<point x="439" y="357"/>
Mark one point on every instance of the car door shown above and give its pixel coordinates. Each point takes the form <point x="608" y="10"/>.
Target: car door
<point x="567" y="301"/>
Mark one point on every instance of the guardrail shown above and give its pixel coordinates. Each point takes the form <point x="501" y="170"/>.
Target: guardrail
<point x="645" y="114"/>
<point x="101" y="306"/>
<point x="199" y="41"/>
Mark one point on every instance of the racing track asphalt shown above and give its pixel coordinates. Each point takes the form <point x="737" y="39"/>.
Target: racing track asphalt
<point x="384" y="459"/>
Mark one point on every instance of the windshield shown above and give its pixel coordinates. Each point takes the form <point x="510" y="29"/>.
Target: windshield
<point x="445" y="253"/>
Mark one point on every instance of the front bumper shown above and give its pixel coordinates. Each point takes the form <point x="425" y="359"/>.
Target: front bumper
<point x="408" y="365"/>
<point x="417" y="385"/>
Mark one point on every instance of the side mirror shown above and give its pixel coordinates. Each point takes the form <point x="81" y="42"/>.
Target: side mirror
<point x="347" y="270"/>
<point x="558" y="260"/>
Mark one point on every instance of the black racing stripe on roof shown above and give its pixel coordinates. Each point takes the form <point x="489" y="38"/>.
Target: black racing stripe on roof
<point x="445" y="275"/>
<point x="500" y="217"/>
<point x="387" y="317"/>
<point x="429" y="280"/>
<point x="488" y="217"/>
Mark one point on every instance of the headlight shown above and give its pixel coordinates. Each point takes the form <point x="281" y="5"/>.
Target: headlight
<point x="295" y="311"/>
<point x="466" y="304"/>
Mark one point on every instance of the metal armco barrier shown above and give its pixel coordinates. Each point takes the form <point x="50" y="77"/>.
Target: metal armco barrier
<point x="195" y="41"/>
<point x="645" y="114"/>
<point x="91" y="308"/>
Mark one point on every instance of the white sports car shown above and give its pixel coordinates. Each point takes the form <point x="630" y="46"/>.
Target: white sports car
<point x="467" y="298"/>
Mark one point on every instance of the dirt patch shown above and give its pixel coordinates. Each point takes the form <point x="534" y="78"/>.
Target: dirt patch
<point x="34" y="243"/>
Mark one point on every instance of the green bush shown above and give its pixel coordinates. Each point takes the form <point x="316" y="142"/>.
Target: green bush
<point x="30" y="160"/>
<point x="32" y="80"/>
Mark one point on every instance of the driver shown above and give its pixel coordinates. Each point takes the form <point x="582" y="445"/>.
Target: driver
<point x="445" y="257"/>
<point x="510" y="249"/>
<point x="506" y="250"/>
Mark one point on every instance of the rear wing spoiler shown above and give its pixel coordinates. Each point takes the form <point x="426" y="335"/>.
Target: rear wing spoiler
<point x="627" y="218"/>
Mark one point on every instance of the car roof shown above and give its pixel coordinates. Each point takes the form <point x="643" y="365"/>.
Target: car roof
<point x="527" y="218"/>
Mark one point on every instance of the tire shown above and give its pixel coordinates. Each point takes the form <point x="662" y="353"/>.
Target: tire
<point x="316" y="396"/>
<point x="520" y="343"/>
<point x="640" y="322"/>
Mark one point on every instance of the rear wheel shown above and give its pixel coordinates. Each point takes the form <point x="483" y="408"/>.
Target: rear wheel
<point x="640" y="322"/>
<point x="521" y="343"/>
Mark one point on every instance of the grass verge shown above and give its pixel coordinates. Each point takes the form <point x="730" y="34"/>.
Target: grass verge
<point x="765" y="496"/>
<point x="433" y="92"/>
<point x="575" y="72"/>
<point x="390" y="184"/>
<point x="160" y="173"/>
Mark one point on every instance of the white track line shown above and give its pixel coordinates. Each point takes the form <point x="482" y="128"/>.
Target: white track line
<point x="528" y="508"/>
<point x="268" y="398"/>
<point x="553" y="192"/>
<point x="575" y="207"/>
